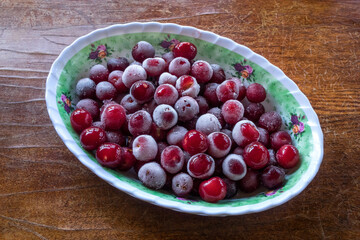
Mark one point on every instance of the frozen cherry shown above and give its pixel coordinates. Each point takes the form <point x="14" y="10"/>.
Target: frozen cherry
<point x="271" y="121"/>
<point x="187" y="108"/>
<point x="140" y="123"/>
<point x="144" y="148"/>
<point x="245" y="132"/>
<point x="80" y="119"/>
<point x="273" y="177"/>
<point x="92" y="137"/>
<point x="127" y="159"/>
<point x="264" y="136"/>
<point x="232" y="111"/>
<point x="254" y="111"/>
<point x="154" y="66"/>
<point x="89" y="105"/>
<point x="187" y="86"/>
<point x="201" y="166"/>
<point x="152" y="175"/>
<point x="179" y="66"/>
<point x="208" y="123"/>
<point x="142" y="91"/>
<point x="142" y="50"/>
<point x="202" y="71"/>
<point x="195" y="142"/>
<point x="255" y="93"/>
<point x="166" y="94"/>
<point x="85" y="88"/>
<point x="250" y="182"/>
<point x="212" y="190"/>
<point x="234" y="167"/>
<point x="218" y="74"/>
<point x="172" y="159"/>
<point x="167" y="78"/>
<point x="176" y="135"/>
<point x="227" y="90"/>
<point x="115" y="78"/>
<point x="288" y="156"/>
<point x="109" y="155"/>
<point x="182" y="184"/>
<point x="105" y="90"/>
<point x="231" y="188"/>
<point x="219" y="144"/>
<point x="113" y="116"/>
<point x="210" y="94"/>
<point x="256" y="155"/>
<point x="185" y="49"/>
<point x="98" y="73"/>
<point x="132" y="74"/>
<point x="130" y="104"/>
<point x="217" y="113"/>
<point x="165" y="116"/>
<point x="119" y="63"/>
<point x="280" y="138"/>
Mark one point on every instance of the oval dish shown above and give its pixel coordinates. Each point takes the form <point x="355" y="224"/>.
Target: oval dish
<point x="237" y="60"/>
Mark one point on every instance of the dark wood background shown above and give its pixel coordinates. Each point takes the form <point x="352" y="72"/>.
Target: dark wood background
<point x="46" y="193"/>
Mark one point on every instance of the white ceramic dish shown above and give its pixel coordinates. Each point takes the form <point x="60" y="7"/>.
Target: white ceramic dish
<point x="283" y="95"/>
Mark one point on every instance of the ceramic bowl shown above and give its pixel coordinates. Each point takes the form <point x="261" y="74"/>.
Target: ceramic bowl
<point x="283" y="95"/>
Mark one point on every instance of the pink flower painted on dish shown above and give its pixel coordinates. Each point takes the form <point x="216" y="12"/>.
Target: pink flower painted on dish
<point x="66" y="102"/>
<point x="101" y="48"/>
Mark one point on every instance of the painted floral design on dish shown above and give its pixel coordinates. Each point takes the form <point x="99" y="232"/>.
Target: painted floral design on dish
<point x="169" y="43"/>
<point x="100" y="52"/>
<point x="296" y="125"/>
<point x="273" y="192"/>
<point x="243" y="70"/>
<point x="65" y="102"/>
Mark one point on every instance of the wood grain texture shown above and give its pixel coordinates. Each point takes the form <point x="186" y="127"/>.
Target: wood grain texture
<point x="46" y="193"/>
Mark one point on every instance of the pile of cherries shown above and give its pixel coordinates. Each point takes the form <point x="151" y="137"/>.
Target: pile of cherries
<point x="181" y="125"/>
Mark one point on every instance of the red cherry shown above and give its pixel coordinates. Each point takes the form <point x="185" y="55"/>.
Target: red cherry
<point x="201" y="166"/>
<point x="273" y="177"/>
<point x="195" y="142"/>
<point x="212" y="190"/>
<point x="109" y="155"/>
<point x="255" y="93"/>
<point x="185" y="49"/>
<point x="80" y="119"/>
<point x="256" y="155"/>
<point x="288" y="156"/>
<point x="113" y="116"/>
<point x="92" y="137"/>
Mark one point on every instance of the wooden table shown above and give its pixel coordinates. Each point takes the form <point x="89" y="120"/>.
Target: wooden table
<point x="46" y="193"/>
